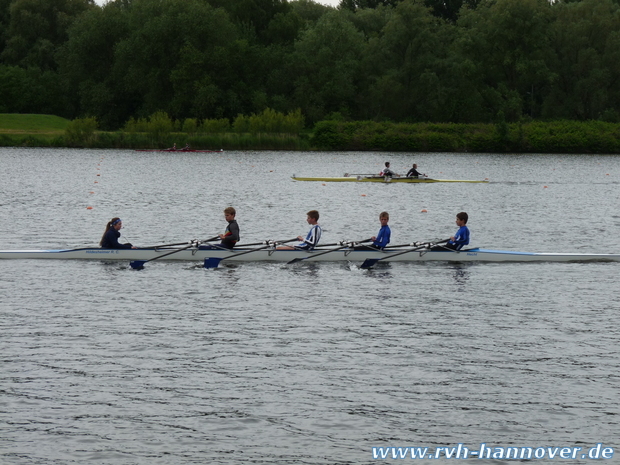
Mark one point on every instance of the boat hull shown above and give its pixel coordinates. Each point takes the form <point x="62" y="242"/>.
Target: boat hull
<point x="193" y="254"/>
<point x="382" y="179"/>
<point x="177" y="150"/>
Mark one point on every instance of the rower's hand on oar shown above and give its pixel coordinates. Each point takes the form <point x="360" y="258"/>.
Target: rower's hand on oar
<point x="342" y="244"/>
<point x="369" y="262"/>
<point x="213" y="262"/>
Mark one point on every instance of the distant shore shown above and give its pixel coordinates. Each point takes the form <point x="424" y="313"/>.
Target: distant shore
<point x="591" y="137"/>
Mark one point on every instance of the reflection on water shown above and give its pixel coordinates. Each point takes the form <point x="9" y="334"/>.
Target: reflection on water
<point x="461" y="274"/>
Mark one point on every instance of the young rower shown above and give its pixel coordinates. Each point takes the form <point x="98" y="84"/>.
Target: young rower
<point x="414" y="172"/>
<point x="312" y="238"/>
<point x="387" y="171"/>
<point x="461" y="237"/>
<point x="231" y="235"/>
<point x="383" y="237"/>
<point x="109" y="240"/>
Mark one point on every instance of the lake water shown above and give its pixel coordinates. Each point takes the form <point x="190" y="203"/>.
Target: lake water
<point x="313" y="363"/>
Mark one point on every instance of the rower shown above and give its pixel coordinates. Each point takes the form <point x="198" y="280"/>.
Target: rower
<point x="461" y="237"/>
<point x="231" y="235"/>
<point x="414" y="172"/>
<point x="312" y="238"/>
<point x="109" y="240"/>
<point x="383" y="237"/>
<point x="186" y="148"/>
<point x="387" y="171"/>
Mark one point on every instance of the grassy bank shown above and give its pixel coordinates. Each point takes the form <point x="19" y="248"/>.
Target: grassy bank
<point x="527" y="137"/>
<point x="52" y="131"/>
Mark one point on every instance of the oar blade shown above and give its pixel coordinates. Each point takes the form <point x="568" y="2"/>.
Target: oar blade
<point x="212" y="262"/>
<point x="137" y="264"/>
<point x="369" y="262"/>
<point x="295" y="260"/>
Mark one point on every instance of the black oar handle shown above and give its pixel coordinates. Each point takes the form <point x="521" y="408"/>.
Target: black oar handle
<point x="372" y="261"/>
<point x="160" y="246"/>
<point x="269" y="244"/>
<point x="343" y="245"/>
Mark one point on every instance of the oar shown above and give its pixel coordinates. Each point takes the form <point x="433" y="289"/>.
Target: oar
<point x="213" y="262"/>
<point x="178" y="243"/>
<point x="139" y="264"/>
<point x="432" y="241"/>
<point x="369" y="262"/>
<point x="347" y="244"/>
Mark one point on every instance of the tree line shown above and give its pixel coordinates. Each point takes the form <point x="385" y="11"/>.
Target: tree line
<point x="409" y="61"/>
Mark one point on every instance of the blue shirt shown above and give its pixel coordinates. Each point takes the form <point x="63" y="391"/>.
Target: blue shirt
<point x="383" y="238"/>
<point x="461" y="237"/>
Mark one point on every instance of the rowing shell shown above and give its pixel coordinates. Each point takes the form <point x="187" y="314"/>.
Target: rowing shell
<point x="383" y="179"/>
<point x="352" y="255"/>
<point x="177" y="150"/>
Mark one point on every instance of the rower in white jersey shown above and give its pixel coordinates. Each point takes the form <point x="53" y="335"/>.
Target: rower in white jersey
<point x="312" y="238"/>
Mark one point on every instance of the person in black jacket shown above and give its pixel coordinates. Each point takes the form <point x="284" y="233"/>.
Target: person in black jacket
<point x="231" y="235"/>
<point x="109" y="240"/>
<point x="414" y="172"/>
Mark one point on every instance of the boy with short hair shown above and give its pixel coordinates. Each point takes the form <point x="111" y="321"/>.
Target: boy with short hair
<point x="312" y="238"/>
<point x="461" y="237"/>
<point x="231" y="235"/>
<point x="383" y="237"/>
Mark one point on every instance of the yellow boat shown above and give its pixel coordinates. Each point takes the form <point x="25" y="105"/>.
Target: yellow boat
<point x="376" y="178"/>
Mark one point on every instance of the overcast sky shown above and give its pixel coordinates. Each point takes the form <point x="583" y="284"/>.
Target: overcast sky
<point x="324" y="2"/>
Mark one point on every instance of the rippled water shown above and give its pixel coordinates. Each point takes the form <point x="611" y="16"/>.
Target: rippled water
<point x="312" y="363"/>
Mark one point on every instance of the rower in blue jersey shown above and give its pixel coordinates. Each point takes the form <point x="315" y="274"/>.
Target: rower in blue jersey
<point x="461" y="237"/>
<point x="312" y="238"/>
<point x="109" y="240"/>
<point x="383" y="237"/>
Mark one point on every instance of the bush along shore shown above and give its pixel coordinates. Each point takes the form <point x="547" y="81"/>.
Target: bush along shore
<point x="527" y="137"/>
<point x="158" y="132"/>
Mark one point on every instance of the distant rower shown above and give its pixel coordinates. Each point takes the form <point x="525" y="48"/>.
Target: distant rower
<point x="387" y="171"/>
<point x="414" y="172"/>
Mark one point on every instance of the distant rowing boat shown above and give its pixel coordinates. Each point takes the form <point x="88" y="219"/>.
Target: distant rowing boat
<point x="202" y="252"/>
<point x="376" y="178"/>
<point x="177" y="150"/>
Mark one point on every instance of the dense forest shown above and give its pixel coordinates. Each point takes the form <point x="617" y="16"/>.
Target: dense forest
<point x="450" y="61"/>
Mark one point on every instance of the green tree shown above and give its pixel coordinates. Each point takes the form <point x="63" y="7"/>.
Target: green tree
<point x="37" y="27"/>
<point x="326" y="65"/>
<point x="86" y="62"/>
<point x="30" y="91"/>
<point x="508" y="40"/>
<point x="402" y="65"/>
<point x="450" y="9"/>
<point x="354" y="5"/>
<point x="586" y="41"/>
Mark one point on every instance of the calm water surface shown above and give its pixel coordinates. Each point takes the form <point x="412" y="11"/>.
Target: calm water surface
<point x="311" y="364"/>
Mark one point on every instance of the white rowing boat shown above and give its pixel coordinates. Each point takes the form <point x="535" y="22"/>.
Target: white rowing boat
<point x="203" y="252"/>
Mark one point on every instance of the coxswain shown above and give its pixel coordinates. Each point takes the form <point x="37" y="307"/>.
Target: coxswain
<point x="109" y="240"/>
